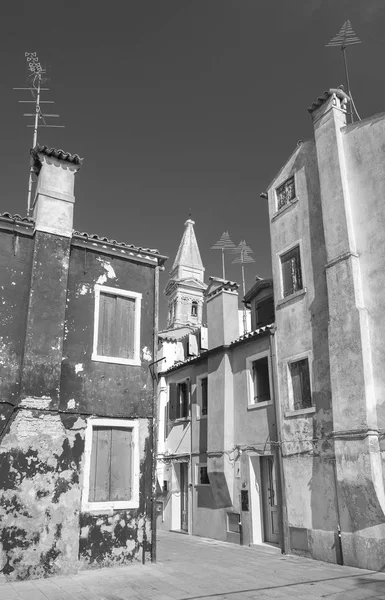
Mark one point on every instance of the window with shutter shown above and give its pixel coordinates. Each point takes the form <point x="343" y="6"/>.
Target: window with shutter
<point x="300" y="381"/>
<point x="258" y="379"/>
<point x="285" y="192"/>
<point x="117" y="325"/>
<point x="291" y="271"/>
<point x="264" y="312"/>
<point x="112" y="465"/>
<point x="204" y="397"/>
<point x="202" y="475"/>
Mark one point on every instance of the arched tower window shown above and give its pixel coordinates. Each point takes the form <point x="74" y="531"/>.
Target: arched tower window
<point x="194" y="308"/>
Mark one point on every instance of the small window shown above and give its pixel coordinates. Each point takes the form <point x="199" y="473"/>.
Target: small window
<point x="300" y="382"/>
<point x="291" y="271"/>
<point x="194" y="309"/>
<point x="261" y="383"/>
<point x="264" y="312"/>
<point x="285" y="192"/>
<point x="233" y="522"/>
<point x="202" y="475"/>
<point x="178" y="407"/>
<point x="117" y="326"/>
<point x="204" y="398"/>
<point x="112" y="465"/>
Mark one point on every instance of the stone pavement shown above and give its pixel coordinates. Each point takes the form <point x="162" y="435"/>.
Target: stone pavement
<point x="201" y="569"/>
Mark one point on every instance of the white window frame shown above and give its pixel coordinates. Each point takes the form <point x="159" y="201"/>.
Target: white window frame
<point x="295" y="199"/>
<point x="121" y="504"/>
<point x="295" y="358"/>
<point x="138" y="305"/>
<point x="279" y="255"/>
<point x="251" y="405"/>
<point x="199" y="395"/>
<point x="197" y="467"/>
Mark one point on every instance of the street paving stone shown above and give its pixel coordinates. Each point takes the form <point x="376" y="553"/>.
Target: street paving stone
<point x="194" y="568"/>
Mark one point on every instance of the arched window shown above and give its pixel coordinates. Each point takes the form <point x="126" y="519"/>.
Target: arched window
<point x="194" y="309"/>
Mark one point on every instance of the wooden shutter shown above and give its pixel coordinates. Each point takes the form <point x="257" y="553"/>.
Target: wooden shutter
<point x="121" y="464"/>
<point x="172" y="402"/>
<point x="106" y="331"/>
<point x="100" y="465"/>
<point x="204" y="399"/>
<point x="305" y="384"/>
<point x="184" y="399"/>
<point x="125" y="321"/>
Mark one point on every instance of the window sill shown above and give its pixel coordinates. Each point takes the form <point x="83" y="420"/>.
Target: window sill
<point x="203" y="485"/>
<point x="103" y="506"/>
<point x="300" y="412"/>
<point x="201" y="417"/>
<point x="284" y="209"/>
<point x="259" y="405"/>
<point x="292" y="298"/>
<point x="181" y="420"/>
<point x="115" y="360"/>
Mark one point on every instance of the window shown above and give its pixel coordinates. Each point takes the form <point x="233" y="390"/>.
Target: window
<point x="194" y="309"/>
<point x="111" y="477"/>
<point x="285" y="192"/>
<point x="291" y="271"/>
<point x="233" y="522"/>
<point x="117" y="326"/>
<point x="258" y="373"/>
<point x="204" y="404"/>
<point x="178" y="407"/>
<point x="264" y="312"/>
<point x="202" y="475"/>
<point x="300" y="383"/>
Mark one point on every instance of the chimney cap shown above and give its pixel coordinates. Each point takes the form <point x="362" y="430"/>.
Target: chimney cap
<point x="52" y="153"/>
<point x="339" y="92"/>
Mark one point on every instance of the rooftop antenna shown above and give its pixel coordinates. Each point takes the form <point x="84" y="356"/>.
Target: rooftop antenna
<point x="36" y="79"/>
<point x="243" y="251"/>
<point x="224" y="244"/>
<point x="346" y="37"/>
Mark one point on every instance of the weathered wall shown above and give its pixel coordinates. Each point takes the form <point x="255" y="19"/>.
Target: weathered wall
<point x="16" y="248"/>
<point x="302" y="327"/>
<point x="98" y="387"/>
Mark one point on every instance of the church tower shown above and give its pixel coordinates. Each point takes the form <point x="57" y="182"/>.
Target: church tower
<point x="185" y="287"/>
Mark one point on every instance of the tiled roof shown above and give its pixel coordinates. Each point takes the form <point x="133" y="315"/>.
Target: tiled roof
<point x="103" y="240"/>
<point x="59" y="154"/>
<point x="175" y="335"/>
<point x="252" y="334"/>
<point x="24" y="220"/>
<point x="321" y="99"/>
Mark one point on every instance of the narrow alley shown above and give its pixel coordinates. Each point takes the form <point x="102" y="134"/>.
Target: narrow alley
<point x="200" y="569"/>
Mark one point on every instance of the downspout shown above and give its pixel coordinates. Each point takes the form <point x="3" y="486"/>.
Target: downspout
<point x="191" y="452"/>
<point x="154" y="417"/>
<point x="284" y="533"/>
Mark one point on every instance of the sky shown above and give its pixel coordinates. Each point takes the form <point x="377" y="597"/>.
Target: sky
<point x="179" y="106"/>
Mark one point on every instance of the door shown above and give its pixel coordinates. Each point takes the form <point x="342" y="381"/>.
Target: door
<point x="269" y="500"/>
<point x="183" y="481"/>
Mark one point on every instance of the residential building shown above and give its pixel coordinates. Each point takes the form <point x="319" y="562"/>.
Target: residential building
<point x="218" y="465"/>
<point x="78" y="334"/>
<point x="327" y="220"/>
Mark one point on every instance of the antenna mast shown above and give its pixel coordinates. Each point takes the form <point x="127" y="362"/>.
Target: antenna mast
<point x="244" y="251"/>
<point x="346" y="37"/>
<point x="36" y="80"/>
<point x="224" y="244"/>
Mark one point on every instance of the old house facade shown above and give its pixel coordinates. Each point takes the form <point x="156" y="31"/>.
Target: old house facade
<point x="327" y="234"/>
<point x="78" y="332"/>
<point x="218" y="464"/>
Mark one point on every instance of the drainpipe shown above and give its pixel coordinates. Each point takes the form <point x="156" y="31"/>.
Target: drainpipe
<point x="154" y="417"/>
<point x="284" y="532"/>
<point x="338" y="536"/>
<point x="191" y="464"/>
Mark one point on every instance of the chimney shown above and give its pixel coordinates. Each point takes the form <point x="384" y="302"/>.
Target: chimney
<point x="54" y="200"/>
<point x="222" y="312"/>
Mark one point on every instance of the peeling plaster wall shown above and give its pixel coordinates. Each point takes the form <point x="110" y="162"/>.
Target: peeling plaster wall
<point x="92" y="386"/>
<point x="16" y="251"/>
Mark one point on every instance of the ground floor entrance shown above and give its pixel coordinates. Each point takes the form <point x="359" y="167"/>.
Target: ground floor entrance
<point x="264" y="500"/>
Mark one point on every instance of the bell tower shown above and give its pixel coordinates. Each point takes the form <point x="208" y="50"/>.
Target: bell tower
<point x="185" y="288"/>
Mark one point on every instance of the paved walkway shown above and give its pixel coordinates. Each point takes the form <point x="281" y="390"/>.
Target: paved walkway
<point x="192" y="568"/>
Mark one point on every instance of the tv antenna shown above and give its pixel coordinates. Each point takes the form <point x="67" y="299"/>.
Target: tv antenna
<point x="36" y="79"/>
<point x="346" y="37"/>
<point x="224" y="244"/>
<point x="243" y="251"/>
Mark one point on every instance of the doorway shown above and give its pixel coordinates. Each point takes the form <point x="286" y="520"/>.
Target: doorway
<point x="183" y="485"/>
<point x="269" y="499"/>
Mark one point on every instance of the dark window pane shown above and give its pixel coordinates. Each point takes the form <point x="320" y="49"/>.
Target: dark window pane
<point x="286" y="192"/>
<point x="291" y="271"/>
<point x="194" y="309"/>
<point x="261" y="381"/>
<point x="204" y="396"/>
<point x="203" y="476"/>
<point x="264" y="312"/>
<point x="300" y="379"/>
<point x="183" y="401"/>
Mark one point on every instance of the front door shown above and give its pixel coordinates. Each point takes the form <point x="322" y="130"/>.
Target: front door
<point x="183" y="496"/>
<point x="269" y="500"/>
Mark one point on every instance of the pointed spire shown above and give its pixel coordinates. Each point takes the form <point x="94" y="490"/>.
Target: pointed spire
<point x="188" y="254"/>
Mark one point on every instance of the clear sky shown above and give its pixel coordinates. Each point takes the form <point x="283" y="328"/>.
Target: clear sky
<point x="179" y="105"/>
